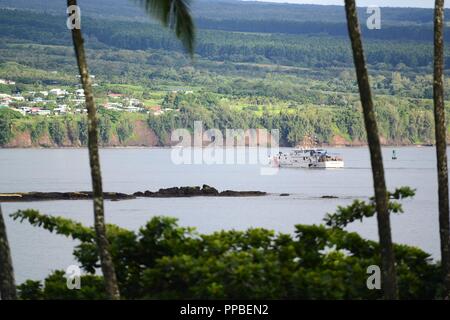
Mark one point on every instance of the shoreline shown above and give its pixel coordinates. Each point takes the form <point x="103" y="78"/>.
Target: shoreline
<point x="204" y="147"/>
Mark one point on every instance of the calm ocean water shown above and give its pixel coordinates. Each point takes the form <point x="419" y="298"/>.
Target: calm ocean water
<point x="36" y="252"/>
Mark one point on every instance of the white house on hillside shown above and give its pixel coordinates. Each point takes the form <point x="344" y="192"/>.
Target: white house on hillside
<point x="58" y="92"/>
<point x="79" y="93"/>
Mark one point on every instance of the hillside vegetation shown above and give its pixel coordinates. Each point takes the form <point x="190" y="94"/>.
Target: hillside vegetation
<point x="267" y="67"/>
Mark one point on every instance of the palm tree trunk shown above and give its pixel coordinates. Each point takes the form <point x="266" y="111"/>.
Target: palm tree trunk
<point x="107" y="265"/>
<point x="7" y="283"/>
<point x="389" y="279"/>
<point x="441" y="144"/>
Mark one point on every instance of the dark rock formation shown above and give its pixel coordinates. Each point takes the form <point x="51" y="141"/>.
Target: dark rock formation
<point x="175" y="192"/>
<point x="41" y="196"/>
<point x="231" y="193"/>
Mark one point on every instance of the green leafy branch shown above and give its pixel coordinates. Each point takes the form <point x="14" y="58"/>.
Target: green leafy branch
<point x="360" y="209"/>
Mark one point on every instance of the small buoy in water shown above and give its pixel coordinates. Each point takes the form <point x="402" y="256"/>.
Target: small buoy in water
<point x="394" y="155"/>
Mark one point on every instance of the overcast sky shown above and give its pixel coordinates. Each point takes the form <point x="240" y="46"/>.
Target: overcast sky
<point x="365" y="3"/>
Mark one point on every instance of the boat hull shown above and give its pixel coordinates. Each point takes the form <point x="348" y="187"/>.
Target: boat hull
<point x="318" y="165"/>
<point x="328" y="164"/>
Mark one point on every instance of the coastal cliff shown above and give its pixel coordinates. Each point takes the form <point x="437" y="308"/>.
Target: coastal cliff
<point x="137" y="130"/>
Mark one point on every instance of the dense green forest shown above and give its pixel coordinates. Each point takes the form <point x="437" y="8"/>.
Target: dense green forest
<point x="226" y="9"/>
<point x="318" y="44"/>
<point x="250" y="71"/>
<point x="165" y="261"/>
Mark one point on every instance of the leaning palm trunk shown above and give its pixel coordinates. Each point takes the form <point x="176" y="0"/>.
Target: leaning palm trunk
<point x="106" y="262"/>
<point x="441" y="144"/>
<point x="7" y="283"/>
<point x="389" y="280"/>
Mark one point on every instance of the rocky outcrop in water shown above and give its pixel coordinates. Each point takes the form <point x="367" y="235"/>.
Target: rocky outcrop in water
<point x="175" y="192"/>
<point x="42" y="196"/>
<point x="204" y="191"/>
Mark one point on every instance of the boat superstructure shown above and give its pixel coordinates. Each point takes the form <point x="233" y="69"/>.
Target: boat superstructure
<point x="308" y="158"/>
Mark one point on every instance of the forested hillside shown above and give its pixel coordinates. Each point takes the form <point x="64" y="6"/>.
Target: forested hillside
<point x="226" y="9"/>
<point x="267" y="66"/>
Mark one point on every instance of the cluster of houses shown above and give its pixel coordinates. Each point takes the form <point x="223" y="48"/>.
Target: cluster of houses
<point x="52" y="102"/>
<point x="59" y="101"/>
<point x="5" y="81"/>
<point x="119" y="102"/>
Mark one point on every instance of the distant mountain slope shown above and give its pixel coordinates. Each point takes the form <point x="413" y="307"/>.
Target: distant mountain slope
<point x="316" y="45"/>
<point x="266" y="23"/>
<point x="229" y="9"/>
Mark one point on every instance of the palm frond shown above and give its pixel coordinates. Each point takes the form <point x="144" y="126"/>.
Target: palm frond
<point x="175" y="15"/>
